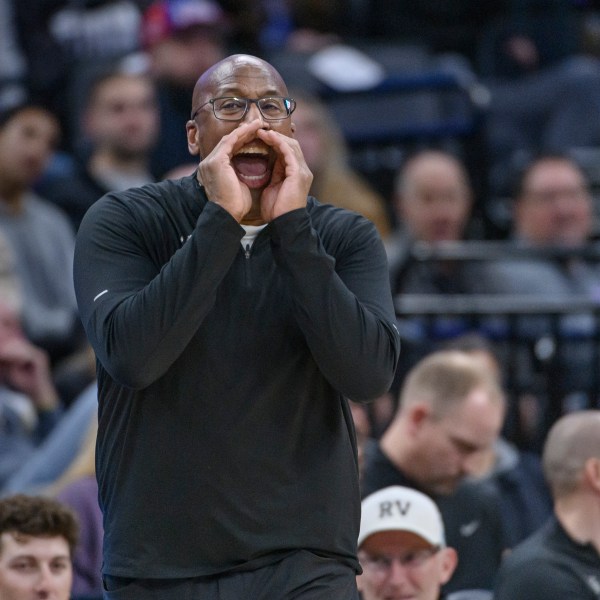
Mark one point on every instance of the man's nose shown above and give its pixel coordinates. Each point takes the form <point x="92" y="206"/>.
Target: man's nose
<point x="397" y="572"/>
<point x="254" y="113"/>
<point x="44" y="580"/>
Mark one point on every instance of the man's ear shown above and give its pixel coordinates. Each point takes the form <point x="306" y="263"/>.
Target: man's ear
<point x="449" y="560"/>
<point x="591" y="471"/>
<point x="419" y="412"/>
<point x="191" y="131"/>
<point x="417" y="415"/>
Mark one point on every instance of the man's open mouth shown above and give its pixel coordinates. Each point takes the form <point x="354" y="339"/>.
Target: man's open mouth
<point x="253" y="165"/>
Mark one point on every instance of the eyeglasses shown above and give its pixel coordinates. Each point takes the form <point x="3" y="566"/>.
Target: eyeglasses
<point x="572" y="193"/>
<point x="230" y="108"/>
<point x="381" y="565"/>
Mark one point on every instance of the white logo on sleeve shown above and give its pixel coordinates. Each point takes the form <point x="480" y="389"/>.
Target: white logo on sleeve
<point x="100" y="294"/>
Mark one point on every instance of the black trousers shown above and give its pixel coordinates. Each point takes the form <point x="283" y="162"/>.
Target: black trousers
<point x="300" y="576"/>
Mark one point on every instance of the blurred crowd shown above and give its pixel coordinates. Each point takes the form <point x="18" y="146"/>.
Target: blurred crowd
<point x="94" y="97"/>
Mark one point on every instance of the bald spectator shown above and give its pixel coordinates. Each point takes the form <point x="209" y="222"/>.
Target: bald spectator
<point x="432" y="201"/>
<point x="562" y="559"/>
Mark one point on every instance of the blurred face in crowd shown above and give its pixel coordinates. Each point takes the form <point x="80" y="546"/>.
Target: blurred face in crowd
<point x="27" y="142"/>
<point x="310" y="135"/>
<point x="181" y="58"/>
<point x="399" y="565"/>
<point x="447" y="445"/>
<point x="433" y="198"/>
<point x="33" y="568"/>
<point x="123" y="116"/>
<point x="555" y="204"/>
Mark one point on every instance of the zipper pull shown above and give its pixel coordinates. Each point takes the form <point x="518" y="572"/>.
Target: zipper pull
<point x="247" y="251"/>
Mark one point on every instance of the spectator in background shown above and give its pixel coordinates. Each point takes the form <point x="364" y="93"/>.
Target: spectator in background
<point x="450" y="410"/>
<point x="520" y="62"/>
<point x="553" y="212"/>
<point x="37" y="540"/>
<point x="30" y="406"/>
<point x="326" y="154"/>
<point x="40" y="234"/>
<point x="552" y="208"/>
<point x="120" y="125"/>
<point x="504" y="38"/>
<point x="562" y="559"/>
<point x="181" y="38"/>
<point x="66" y="43"/>
<point x="432" y="203"/>
<point x="58" y="451"/>
<point x="78" y="489"/>
<point x="402" y="546"/>
<point x="247" y="19"/>
<point x="544" y="90"/>
<point x="515" y="475"/>
<point x="553" y="205"/>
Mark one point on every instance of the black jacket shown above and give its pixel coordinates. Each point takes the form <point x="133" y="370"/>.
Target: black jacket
<point x="549" y="565"/>
<point x="225" y="440"/>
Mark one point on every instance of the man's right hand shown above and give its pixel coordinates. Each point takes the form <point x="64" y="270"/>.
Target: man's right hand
<point x="220" y="179"/>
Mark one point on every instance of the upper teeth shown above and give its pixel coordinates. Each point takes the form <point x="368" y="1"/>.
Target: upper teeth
<point x="253" y="150"/>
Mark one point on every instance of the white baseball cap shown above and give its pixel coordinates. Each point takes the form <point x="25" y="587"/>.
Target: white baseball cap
<point x="398" y="508"/>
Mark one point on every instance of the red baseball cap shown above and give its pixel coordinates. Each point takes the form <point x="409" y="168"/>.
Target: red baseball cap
<point x="163" y="19"/>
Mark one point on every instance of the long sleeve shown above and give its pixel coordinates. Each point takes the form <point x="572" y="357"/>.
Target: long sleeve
<point x="343" y="306"/>
<point x="139" y="315"/>
<point x="238" y="362"/>
<point x="142" y="299"/>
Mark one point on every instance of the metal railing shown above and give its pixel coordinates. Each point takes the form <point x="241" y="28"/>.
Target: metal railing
<point x="558" y="338"/>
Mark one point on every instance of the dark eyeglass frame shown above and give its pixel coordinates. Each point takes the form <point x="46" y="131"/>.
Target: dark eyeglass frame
<point x="287" y="101"/>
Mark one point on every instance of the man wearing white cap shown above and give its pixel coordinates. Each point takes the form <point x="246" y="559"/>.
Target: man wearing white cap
<point x="402" y="548"/>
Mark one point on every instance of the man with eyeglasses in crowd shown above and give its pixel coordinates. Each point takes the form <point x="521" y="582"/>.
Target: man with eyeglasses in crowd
<point x="402" y="548"/>
<point x="232" y="315"/>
